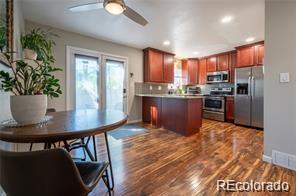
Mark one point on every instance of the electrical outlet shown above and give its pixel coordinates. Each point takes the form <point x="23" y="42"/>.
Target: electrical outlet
<point x="150" y="87"/>
<point x="159" y="88"/>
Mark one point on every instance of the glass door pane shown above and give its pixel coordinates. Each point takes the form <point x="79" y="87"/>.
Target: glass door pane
<point x="115" y="85"/>
<point x="87" y="82"/>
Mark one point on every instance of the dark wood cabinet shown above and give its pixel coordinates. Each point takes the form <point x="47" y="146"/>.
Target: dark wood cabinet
<point x="190" y="71"/>
<point x="158" y="66"/>
<point x="259" y="49"/>
<point x="152" y="110"/>
<point x="246" y="56"/>
<point x="230" y="108"/>
<point x="202" y="71"/>
<point x="223" y="62"/>
<point x="250" y="55"/>
<point x="212" y="64"/>
<point x="183" y="116"/>
<point x="168" y="68"/>
<point x="232" y="61"/>
<point x="193" y="71"/>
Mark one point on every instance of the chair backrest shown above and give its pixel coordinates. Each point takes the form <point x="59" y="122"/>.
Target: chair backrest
<point x="48" y="172"/>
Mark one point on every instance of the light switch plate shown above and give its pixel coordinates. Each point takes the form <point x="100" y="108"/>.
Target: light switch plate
<point x="284" y="77"/>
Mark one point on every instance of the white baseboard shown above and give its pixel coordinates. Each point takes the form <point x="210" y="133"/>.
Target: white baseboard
<point x="134" y="121"/>
<point x="267" y="159"/>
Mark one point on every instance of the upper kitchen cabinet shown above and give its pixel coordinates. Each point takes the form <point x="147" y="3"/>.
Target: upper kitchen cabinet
<point x="158" y="66"/>
<point x="250" y="55"/>
<point x="223" y="62"/>
<point x="212" y="64"/>
<point x="190" y="71"/>
<point x="259" y="53"/>
<point x="232" y="61"/>
<point x="168" y="68"/>
<point x="202" y="71"/>
<point x="245" y="56"/>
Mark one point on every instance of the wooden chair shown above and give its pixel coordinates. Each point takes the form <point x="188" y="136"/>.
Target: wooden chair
<point x="49" y="173"/>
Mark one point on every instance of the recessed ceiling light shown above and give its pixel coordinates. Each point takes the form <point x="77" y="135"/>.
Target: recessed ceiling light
<point x="250" y="39"/>
<point x="166" y="43"/>
<point x="195" y="53"/>
<point x="226" y="19"/>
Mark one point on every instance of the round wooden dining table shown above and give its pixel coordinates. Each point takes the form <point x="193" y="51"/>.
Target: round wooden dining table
<point x="68" y="125"/>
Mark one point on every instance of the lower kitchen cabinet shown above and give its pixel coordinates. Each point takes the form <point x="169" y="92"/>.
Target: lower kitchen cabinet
<point x="180" y="115"/>
<point x="230" y="108"/>
<point x="152" y="110"/>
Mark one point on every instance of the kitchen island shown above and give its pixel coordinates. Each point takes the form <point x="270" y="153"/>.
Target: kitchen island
<point x="179" y="113"/>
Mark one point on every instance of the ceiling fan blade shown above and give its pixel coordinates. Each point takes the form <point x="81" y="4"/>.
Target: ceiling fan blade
<point x="133" y="15"/>
<point x="87" y="7"/>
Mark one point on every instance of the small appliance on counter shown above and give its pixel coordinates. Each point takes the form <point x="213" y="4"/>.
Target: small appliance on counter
<point x="214" y="103"/>
<point x="193" y="90"/>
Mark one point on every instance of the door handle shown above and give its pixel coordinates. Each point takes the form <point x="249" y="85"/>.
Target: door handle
<point x="249" y="86"/>
<point x="253" y="85"/>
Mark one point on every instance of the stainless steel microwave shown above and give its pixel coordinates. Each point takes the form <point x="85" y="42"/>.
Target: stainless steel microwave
<point x="218" y="77"/>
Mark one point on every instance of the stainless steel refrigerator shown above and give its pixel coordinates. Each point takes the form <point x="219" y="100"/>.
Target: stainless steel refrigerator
<point x="249" y="96"/>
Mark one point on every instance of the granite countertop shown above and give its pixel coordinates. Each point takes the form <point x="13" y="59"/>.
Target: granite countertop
<point x="171" y="96"/>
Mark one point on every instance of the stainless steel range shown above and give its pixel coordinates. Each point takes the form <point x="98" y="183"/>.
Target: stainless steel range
<point x="214" y="104"/>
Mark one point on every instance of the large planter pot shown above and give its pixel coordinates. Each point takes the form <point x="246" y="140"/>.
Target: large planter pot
<point x="29" y="54"/>
<point x="28" y="109"/>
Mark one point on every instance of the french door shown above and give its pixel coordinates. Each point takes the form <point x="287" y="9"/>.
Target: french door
<point x="96" y="81"/>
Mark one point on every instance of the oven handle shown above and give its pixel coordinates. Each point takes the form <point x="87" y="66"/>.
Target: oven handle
<point x="215" y="98"/>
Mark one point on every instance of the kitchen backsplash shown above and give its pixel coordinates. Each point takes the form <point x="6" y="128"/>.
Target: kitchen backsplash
<point x="151" y="88"/>
<point x="205" y="89"/>
<point x="154" y="88"/>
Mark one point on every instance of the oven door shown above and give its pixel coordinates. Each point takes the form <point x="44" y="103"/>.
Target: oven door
<point x="214" y="104"/>
<point x="214" y="78"/>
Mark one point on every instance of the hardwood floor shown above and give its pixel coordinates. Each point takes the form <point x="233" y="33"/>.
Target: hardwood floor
<point x="160" y="162"/>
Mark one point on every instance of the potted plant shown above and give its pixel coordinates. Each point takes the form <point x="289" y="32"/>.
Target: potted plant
<point x="30" y="82"/>
<point x="38" y="45"/>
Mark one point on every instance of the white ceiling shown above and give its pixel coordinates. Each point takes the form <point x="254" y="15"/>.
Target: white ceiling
<point x="190" y="25"/>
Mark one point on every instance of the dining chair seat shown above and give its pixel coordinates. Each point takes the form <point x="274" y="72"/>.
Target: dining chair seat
<point x="91" y="172"/>
<point x="49" y="172"/>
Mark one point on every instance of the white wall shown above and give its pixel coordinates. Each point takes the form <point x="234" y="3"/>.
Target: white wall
<point x="135" y="59"/>
<point x="280" y="98"/>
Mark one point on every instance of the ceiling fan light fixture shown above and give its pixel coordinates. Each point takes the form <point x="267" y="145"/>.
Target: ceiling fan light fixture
<point x="114" y="7"/>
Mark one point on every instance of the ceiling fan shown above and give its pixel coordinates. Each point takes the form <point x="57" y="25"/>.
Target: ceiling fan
<point x="114" y="7"/>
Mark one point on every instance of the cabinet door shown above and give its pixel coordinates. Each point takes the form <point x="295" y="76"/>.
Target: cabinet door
<point x="154" y="66"/>
<point x="185" y="71"/>
<point x="168" y="68"/>
<point x="259" y="54"/>
<point x="212" y="64"/>
<point x="202" y="71"/>
<point x="230" y="108"/>
<point x="223" y="62"/>
<point x="232" y="60"/>
<point x="246" y="56"/>
<point x="152" y="110"/>
<point x="192" y="71"/>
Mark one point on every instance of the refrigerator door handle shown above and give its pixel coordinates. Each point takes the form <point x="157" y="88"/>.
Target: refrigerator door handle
<point x="249" y="87"/>
<point x="253" y="85"/>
